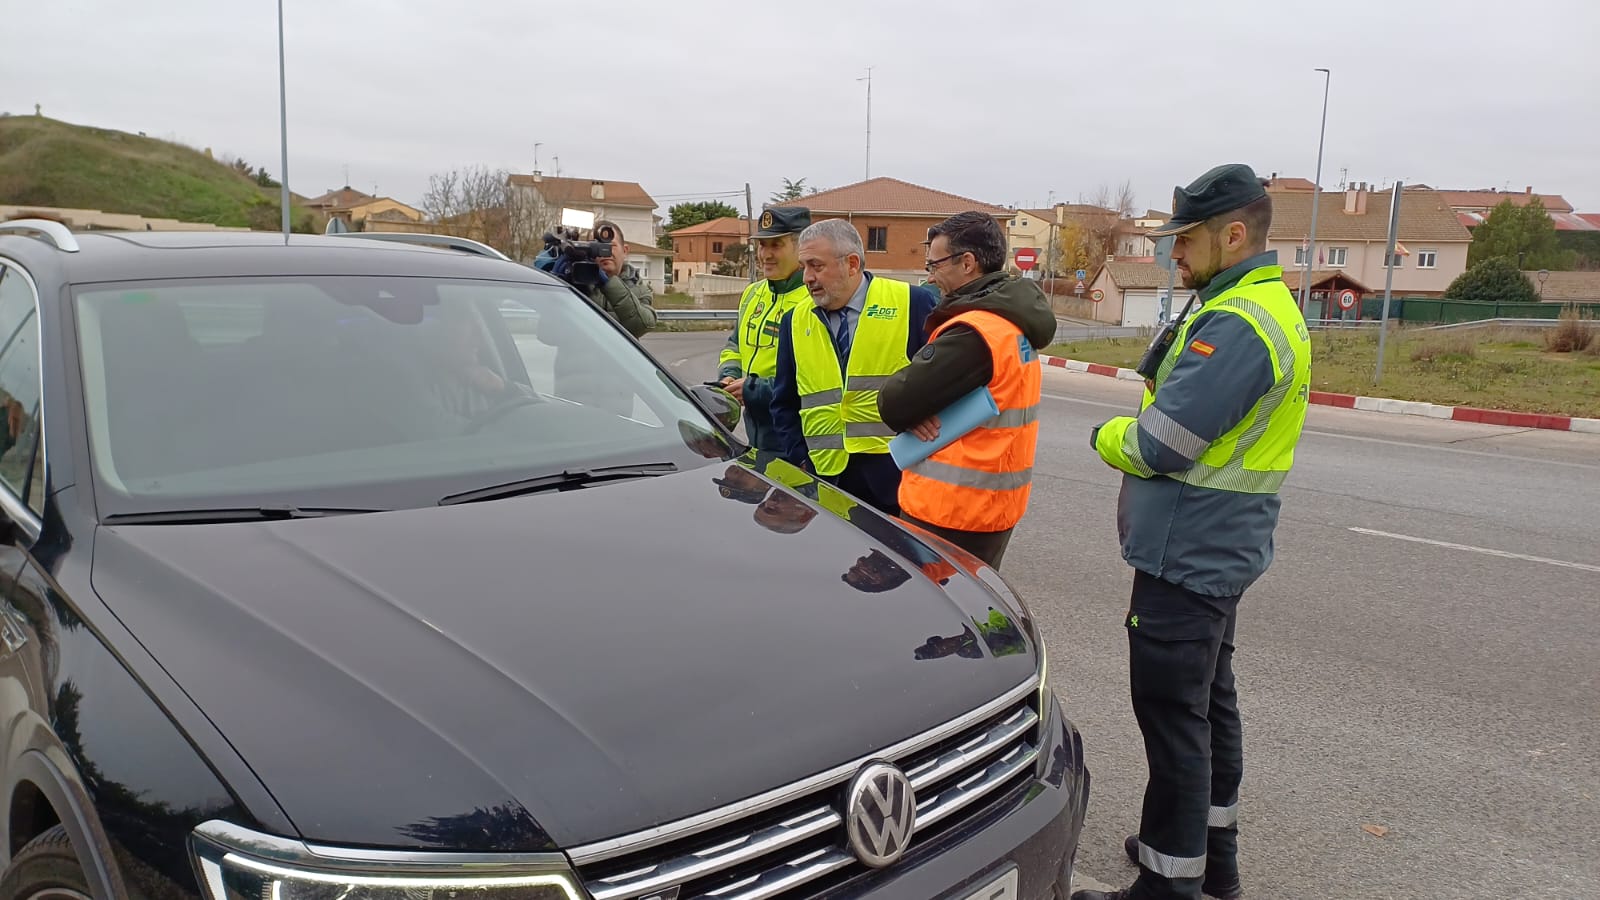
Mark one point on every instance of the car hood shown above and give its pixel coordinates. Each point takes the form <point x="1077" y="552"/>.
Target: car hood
<point x="555" y="669"/>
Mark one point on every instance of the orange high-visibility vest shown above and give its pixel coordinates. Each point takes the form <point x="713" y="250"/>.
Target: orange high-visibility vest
<point x="982" y="481"/>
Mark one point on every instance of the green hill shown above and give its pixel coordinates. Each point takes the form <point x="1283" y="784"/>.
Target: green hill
<point x="44" y="162"/>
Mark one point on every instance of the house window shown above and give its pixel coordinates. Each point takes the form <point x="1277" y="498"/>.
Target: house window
<point x="1299" y="256"/>
<point x="1396" y="261"/>
<point x="1427" y="259"/>
<point x="1336" y="256"/>
<point x="716" y="246"/>
<point x="878" y="239"/>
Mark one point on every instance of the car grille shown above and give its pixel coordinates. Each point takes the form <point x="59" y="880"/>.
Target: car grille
<point x="791" y="842"/>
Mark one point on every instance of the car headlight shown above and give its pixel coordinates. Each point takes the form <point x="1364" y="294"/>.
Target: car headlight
<point x="238" y="864"/>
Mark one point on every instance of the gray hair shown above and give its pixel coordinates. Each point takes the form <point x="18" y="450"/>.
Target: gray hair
<point x="841" y="234"/>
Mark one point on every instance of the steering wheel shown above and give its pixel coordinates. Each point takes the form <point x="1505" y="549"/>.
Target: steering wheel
<point x="522" y="398"/>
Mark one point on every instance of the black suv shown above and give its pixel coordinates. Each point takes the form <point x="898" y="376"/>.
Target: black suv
<point x="337" y="568"/>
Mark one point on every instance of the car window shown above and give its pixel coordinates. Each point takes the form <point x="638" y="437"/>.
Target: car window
<point x="370" y="392"/>
<point x="19" y="390"/>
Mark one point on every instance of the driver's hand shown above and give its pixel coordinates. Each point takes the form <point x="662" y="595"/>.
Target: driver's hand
<point x="485" y="380"/>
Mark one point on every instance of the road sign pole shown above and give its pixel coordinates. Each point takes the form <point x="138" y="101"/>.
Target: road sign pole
<point x="1388" y="280"/>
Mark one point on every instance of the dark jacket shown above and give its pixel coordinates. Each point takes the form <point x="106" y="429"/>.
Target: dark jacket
<point x="959" y="362"/>
<point x="785" y="390"/>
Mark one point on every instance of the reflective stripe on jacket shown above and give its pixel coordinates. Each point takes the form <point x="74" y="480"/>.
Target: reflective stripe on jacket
<point x="839" y="409"/>
<point x="982" y="481"/>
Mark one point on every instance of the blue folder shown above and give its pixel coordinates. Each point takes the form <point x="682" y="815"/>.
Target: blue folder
<point x="955" y="421"/>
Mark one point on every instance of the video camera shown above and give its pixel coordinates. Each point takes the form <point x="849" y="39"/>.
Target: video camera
<point x="581" y="268"/>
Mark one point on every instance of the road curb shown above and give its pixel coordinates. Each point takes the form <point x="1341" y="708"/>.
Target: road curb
<point x="1382" y="404"/>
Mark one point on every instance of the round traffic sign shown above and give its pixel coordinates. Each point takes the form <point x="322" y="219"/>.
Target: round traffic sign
<point x="1097" y="295"/>
<point x="1026" y="257"/>
<point x="1347" y="300"/>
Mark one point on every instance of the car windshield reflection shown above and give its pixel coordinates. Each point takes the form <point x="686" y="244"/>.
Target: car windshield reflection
<point x="372" y="392"/>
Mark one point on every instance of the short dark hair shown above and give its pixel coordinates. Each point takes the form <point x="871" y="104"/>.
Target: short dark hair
<point x="977" y="233"/>
<point x="1256" y="216"/>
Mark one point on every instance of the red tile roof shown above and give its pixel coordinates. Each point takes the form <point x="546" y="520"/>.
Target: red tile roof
<point x="727" y="225"/>
<point x="893" y="197"/>
<point x="1291" y="184"/>
<point x="1486" y="199"/>
<point x="581" y="190"/>
<point x="1424" y="216"/>
<point x="343" y="198"/>
<point x="1591" y="218"/>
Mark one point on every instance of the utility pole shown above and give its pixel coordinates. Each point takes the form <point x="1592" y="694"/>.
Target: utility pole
<point x="1388" y="278"/>
<point x="1316" y="197"/>
<point x="536" y="146"/>
<point x="750" y="226"/>
<point x="868" y="80"/>
<point x="283" y="124"/>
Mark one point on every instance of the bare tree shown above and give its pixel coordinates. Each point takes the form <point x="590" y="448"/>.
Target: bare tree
<point x="485" y="205"/>
<point x="1113" y="207"/>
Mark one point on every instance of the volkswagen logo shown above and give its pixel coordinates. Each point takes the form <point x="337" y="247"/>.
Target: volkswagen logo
<point x="880" y="814"/>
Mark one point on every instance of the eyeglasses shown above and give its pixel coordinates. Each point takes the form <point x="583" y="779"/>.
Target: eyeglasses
<point x="932" y="264"/>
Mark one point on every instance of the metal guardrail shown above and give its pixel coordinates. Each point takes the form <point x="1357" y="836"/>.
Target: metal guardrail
<point x="1483" y="323"/>
<point x="698" y="315"/>
<point x="1345" y="323"/>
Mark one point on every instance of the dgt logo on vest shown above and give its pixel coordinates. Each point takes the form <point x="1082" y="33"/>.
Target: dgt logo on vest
<point x="881" y="312"/>
<point x="1025" y="350"/>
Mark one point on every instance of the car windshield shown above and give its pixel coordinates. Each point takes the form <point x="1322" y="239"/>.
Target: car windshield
<point x="363" y="392"/>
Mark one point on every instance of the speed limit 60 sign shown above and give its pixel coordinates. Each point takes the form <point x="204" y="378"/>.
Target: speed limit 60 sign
<point x="1347" y="300"/>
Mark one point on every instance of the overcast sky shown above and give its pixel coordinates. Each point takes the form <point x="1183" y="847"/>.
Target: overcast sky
<point x="1002" y="101"/>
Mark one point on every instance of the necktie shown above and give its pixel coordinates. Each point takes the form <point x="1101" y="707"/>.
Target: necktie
<point x="841" y="338"/>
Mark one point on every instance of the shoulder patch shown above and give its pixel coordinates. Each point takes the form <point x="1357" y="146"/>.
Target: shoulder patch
<point x="1202" y="348"/>
<point x="926" y="352"/>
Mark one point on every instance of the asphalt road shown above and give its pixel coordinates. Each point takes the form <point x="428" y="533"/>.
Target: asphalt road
<point x="1421" y="658"/>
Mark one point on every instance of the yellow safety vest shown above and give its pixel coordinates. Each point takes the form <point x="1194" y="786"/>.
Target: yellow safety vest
<point x="1256" y="455"/>
<point x="760" y="319"/>
<point x="839" y="410"/>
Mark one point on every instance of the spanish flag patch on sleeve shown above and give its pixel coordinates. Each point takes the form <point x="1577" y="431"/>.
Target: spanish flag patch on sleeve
<point x="1202" y="348"/>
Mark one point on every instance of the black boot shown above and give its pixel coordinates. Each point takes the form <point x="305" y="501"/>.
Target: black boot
<point x="1221" y="887"/>
<point x="1101" y="895"/>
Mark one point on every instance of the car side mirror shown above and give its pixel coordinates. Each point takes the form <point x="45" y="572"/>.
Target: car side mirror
<point x="719" y="403"/>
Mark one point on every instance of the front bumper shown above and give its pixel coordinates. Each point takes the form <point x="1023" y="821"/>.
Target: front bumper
<point x="1034" y="828"/>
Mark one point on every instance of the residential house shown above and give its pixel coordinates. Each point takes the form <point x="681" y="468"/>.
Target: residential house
<point x="376" y="209"/>
<point x="623" y="202"/>
<point x="341" y="198"/>
<point x="1473" y="207"/>
<point x="1130" y="293"/>
<point x="651" y="262"/>
<point x="1040" y="229"/>
<point x="1567" y="287"/>
<point x="893" y="217"/>
<point x="1352" y="237"/>
<point x="696" y="249"/>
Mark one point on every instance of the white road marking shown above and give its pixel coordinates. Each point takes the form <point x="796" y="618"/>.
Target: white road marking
<point x="1505" y="554"/>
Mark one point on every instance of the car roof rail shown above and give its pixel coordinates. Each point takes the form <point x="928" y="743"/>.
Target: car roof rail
<point x="59" y="234"/>
<point x="447" y="241"/>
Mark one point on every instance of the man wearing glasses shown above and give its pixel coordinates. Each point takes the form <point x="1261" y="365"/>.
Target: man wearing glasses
<point x="833" y="358"/>
<point x="751" y="355"/>
<point x="986" y="332"/>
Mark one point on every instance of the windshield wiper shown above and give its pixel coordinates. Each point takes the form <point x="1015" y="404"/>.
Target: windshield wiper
<point x="230" y="514"/>
<point x="565" y="480"/>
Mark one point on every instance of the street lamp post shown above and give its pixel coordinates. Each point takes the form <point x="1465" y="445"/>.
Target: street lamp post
<point x="1316" y="194"/>
<point x="283" y="124"/>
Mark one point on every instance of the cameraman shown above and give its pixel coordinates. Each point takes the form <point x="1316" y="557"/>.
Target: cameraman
<point x="620" y="293"/>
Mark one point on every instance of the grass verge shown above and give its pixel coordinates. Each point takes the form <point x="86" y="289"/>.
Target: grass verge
<point x="1491" y="368"/>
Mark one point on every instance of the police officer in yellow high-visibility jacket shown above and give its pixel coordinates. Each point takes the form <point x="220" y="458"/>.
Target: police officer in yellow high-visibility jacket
<point x="833" y="358"/>
<point x="1203" y="463"/>
<point x="750" y="358"/>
